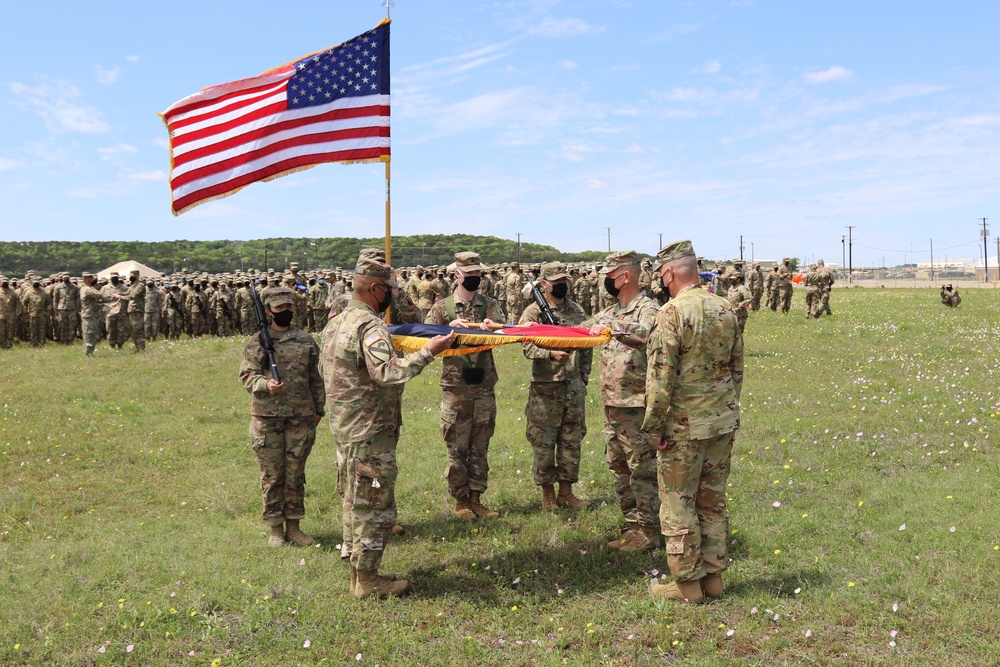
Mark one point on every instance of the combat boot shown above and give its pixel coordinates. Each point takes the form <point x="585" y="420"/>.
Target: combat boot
<point x="369" y="584"/>
<point x="711" y="585"/>
<point x="277" y="536"/>
<point x="679" y="591"/>
<point x="619" y="542"/>
<point x="480" y="510"/>
<point x="549" y="497"/>
<point x="463" y="510"/>
<point x="397" y="529"/>
<point x="641" y="541"/>
<point x="295" y="535"/>
<point x="567" y="499"/>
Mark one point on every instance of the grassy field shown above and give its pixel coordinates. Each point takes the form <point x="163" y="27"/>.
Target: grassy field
<point x="863" y="500"/>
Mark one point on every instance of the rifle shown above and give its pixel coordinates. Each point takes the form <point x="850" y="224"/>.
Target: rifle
<point x="265" y="337"/>
<point x="547" y="316"/>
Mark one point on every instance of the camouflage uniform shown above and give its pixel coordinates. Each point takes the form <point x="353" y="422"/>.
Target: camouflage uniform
<point x="65" y="298"/>
<point x="739" y="296"/>
<point x="785" y="286"/>
<point x="426" y="296"/>
<point x="135" y="295"/>
<point x="151" y="312"/>
<point x="629" y="454"/>
<point x="10" y="306"/>
<point x="283" y="426"/>
<point x="90" y="314"/>
<point x="196" y="306"/>
<point x="811" y="282"/>
<point x="556" y="409"/>
<point x="512" y="286"/>
<point x="363" y="375"/>
<point x="825" y="286"/>
<point x="36" y="305"/>
<point x="115" y="321"/>
<point x="693" y="384"/>
<point x="173" y="312"/>
<point x="468" y="410"/>
<point x="583" y="289"/>
<point x="950" y="296"/>
<point x="755" y="283"/>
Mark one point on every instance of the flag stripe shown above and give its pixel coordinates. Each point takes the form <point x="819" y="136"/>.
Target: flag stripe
<point x="254" y="166"/>
<point x="331" y="106"/>
<point x="218" y="164"/>
<point x="230" y="142"/>
<point x="182" y="203"/>
<point x="200" y="136"/>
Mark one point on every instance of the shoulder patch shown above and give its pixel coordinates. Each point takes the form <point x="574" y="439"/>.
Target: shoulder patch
<point x="372" y="339"/>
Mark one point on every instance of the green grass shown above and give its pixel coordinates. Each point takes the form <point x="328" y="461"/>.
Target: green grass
<point x="130" y="505"/>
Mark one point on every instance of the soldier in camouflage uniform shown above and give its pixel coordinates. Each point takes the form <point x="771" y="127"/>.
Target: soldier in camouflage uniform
<point x="196" y="307"/>
<point x="630" y="456"/>
<point x="10" y="306"/>
<point x="740" y="298"/>
<point x="556" y="409"/>
<point x="785" y="285"/>
<point x="825" y="286"/>
<point x="151" y="311"/>
<point x="693" y="383"/>
<point x="35" y="302"/>
<point x="468" y="404"/>
<point x="512" y="286"/>
<point x="91" y="300"/>
<point x="811" y="283"/>
<point x="755" y="283"/>
<point x="362" y="374"/>
<point x="283" y="417"/>
<point x="115" y="320"/>
<point x="582" y="289"/>
<point x="950" y="296"/>
<point x="135" y="296"/>
<point x="173" y="312"/>
<point x="66" y="304"/>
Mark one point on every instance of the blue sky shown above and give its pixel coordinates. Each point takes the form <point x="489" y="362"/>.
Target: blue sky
<point x="782" y="121"/>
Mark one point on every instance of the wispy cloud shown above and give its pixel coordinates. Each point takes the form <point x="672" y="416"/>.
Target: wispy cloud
<point x="567" y="64"/>
<point x="154" y="176"/>
<point x="126" y="184"/>
<point x="132" y="59"/>
<point x="7" y="163"/>
<point x="711" y="67"/>
<point x="834" y="73"/>
<point x="112" y="152"/>
<point x="549" y="26"/>
<point x="674" y="31"/>
<point x="57" y="104"/>
<point x="107" y="76"/>
<point x="452" y="67"/>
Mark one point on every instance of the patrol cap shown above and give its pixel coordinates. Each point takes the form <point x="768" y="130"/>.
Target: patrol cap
<point x="294" y="265"/>
<point x="515" y="265"/>
<point x="279" y="295"/>
<point x="617" y="260"/>
<point x="554" y="271"/>
<point x="134" y="272"/>
<point x="371" y="266"/>
<point x="87" y="275"/>
<point x="672" y="252"/>
<point x="377" y="253"/>
<point x="468" y="261"/>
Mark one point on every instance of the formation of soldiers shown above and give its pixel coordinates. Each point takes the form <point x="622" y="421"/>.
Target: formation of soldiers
<point x="35" y="309"/>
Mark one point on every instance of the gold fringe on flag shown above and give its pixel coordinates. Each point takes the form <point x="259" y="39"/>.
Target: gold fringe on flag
<point x="473" y="343"/>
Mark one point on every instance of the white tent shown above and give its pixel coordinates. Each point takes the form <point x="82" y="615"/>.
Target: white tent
<point x="123" y="269"/>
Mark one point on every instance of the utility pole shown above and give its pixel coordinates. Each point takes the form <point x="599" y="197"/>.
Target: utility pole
<point x="660" y="247"/>
<point x="751" y="252"/>
<point x="998" y="252"/>
<point x="850" y="252"/>
<point x="986" y="264"/>
<point x="609" y="239"/>
<point x="932" y="258"/>
<point x="741" y="247"/>
<point x="843" y="251"/>
<point x="519" y="247"/>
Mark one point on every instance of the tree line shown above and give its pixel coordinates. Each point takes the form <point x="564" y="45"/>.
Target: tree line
<point x="46" y="257"/>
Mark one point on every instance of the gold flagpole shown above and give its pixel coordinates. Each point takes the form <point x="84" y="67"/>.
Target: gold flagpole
<point x="388" y="217"/>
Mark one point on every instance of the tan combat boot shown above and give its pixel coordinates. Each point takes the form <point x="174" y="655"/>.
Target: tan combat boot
<point x="277" y="536"/>
<point x="711" y="585"/>
<point x="295" y="535"/>
<point x="679" y="591"/>
<point x="480" y="510"/>
<point x="641" y="541"/>
<point x="370" y="584"/>
<point x="549" y="497"/>
<point x="567" y="499"/>
<point x="397" y="529"/>
<point x="463" y="510"/>
<point x="619" y="542"/>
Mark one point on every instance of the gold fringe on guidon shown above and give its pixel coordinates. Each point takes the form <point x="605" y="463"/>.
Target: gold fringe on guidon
<point x="483" y="342"/>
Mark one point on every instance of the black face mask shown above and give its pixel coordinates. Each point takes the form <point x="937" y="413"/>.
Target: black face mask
<point x="559" y="291"/>
<point x="114" y="281"/>
<point x="609" y="284"/>
<point x="283" y="318"/>
<point x="471" y="283"/>
<point x="386" y="301"/>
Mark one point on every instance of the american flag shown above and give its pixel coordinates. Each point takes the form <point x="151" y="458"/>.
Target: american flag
<point x="331" y="106"/>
